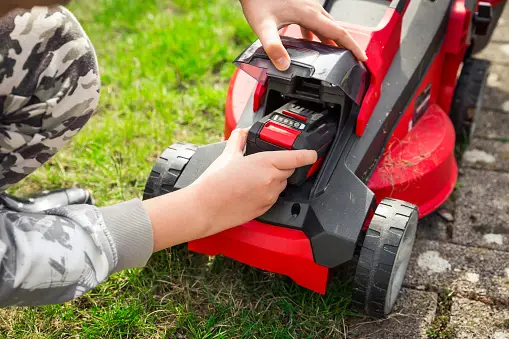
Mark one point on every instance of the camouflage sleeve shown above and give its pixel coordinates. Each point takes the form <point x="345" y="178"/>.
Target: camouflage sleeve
<point x="59" y="255"/>
<point x="48" y="90"/>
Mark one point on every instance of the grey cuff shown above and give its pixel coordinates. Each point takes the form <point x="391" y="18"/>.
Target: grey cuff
<point x="131" y="230"/>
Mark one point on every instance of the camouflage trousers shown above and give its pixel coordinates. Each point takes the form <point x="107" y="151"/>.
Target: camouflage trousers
<point x="49" y="87"/>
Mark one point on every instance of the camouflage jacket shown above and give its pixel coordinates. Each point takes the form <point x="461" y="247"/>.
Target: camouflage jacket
<point x="49" y="88"/>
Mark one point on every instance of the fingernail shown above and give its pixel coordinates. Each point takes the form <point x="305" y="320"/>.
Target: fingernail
<point x="282" y="64"/>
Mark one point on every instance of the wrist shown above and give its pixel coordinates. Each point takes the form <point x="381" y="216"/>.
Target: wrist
<point x="199" y="209"/>
<point x="176" y="218"/>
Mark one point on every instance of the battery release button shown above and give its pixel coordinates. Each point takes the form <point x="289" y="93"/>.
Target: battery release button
<point x="279" y="135"/>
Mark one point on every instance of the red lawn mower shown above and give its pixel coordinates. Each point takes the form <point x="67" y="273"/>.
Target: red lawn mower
<point x="387" y="133"/>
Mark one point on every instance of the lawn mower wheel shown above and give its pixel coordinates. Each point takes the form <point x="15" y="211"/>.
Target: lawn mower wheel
<point x="384" y="257"/>
<point x="467" y="101"/>
<point x="167" y="169"/>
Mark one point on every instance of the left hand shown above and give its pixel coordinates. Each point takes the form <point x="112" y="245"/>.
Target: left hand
<point x="266" y="17"/>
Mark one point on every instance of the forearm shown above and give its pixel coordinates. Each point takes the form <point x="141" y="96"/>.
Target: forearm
<point x="59" y="255"/>
<point x="177" y="218"/>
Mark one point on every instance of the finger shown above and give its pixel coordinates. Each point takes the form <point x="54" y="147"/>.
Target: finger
<point x="285" y="174"/>
<point x="321" y="37"/>
<point x="327" y="14"/>
<point x="285" y="160"/>
<point x="330" y="29"/>
<point x="327" y="41"/>
<point x="268" y="34"/>
<point x="282" y="185"/>
<point x="306" y="34"/>
<point x="338" y="44"/>
<point x="237" y="141"/>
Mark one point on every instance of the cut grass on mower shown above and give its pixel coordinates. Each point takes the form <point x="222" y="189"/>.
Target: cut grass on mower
<point x="165" y="67"/>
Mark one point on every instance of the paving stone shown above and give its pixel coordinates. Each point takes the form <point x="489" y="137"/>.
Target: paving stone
<point x="496" y="51"/>
<point x="496" y="94"/>
<point x="433" y="227"/>
<point x="473" y="319"/>
<point x="487" y="154"/>
<point x="475" y="273"/>
<point x="482" y="210"/>
<point x="501" y="32"/>
<point x="492" y="125"/>
<point x="412" y="316"/>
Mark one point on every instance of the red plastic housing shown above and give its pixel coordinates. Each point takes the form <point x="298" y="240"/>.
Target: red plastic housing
<point x="271" y="248"/>
<point x="418" y="165"/>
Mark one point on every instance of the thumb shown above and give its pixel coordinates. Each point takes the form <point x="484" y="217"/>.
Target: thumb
<point x="271" y="42"/>
<point x="237" y="141"/>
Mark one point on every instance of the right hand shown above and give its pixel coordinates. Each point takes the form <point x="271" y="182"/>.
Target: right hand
<point x="266" y="17"/>
<point x="233" y="190"/>
<point x="237" y="188"/>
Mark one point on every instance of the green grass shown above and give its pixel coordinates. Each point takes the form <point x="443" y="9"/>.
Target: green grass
<point x="165" y="69"/>
<point x="440" y="326"/>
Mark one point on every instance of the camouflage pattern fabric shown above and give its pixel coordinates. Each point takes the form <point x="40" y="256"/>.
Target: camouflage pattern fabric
<point x="49" y="88"/>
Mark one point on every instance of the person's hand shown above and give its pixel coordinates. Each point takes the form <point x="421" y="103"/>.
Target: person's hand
<point x="238" y="188"/>
<point x="266" y="17"/>
<point x="233" y="190"/>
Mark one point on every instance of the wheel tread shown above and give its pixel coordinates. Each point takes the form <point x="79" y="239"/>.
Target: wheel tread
<point x="167" y="169"/>
<point x="468" y="90"/>
<point x="378" y="253"/>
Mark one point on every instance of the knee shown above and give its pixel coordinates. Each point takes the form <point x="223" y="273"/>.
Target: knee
<point x="50" y="60"/>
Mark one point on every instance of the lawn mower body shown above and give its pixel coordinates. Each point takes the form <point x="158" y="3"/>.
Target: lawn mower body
<point x="394" y="138"/>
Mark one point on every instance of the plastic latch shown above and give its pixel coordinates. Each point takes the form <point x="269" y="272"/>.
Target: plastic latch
<point x="278" y="134"/>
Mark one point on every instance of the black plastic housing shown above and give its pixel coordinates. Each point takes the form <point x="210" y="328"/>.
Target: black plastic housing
<point x="328" y="72"/>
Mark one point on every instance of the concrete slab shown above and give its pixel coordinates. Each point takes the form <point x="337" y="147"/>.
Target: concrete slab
<point x="497" y="50"/>
<point x="492" y="125"/>
<point x="473" y="319"/>
<point x="433" y="227"/>
<point x="482" y="210"/>
<point x="496" y="94"/>
<point x="487" y="154"/>
<point x="501" y="32"/>
<point x="475" y="273"/>
<point x="412" y="316"/>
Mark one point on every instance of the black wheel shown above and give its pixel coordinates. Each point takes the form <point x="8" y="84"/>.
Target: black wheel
<point x="384" y="257"/>
<point x="467" y="101"/>
<point x="167" y="170"/>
